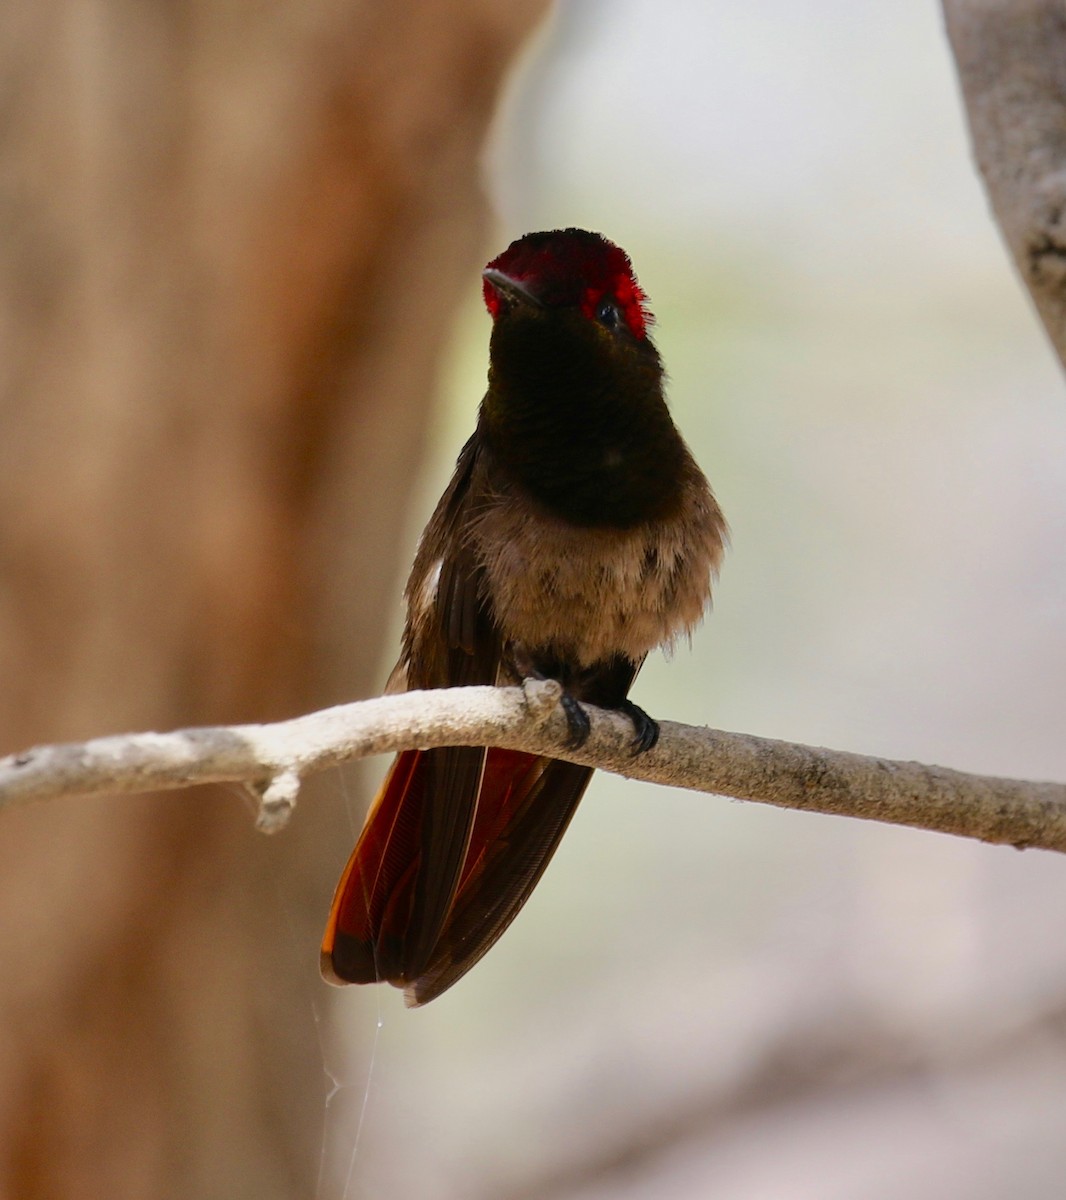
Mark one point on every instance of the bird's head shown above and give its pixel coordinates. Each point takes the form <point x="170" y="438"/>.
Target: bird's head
<point x="575" y="405"/>
<point x="570" y="270"/>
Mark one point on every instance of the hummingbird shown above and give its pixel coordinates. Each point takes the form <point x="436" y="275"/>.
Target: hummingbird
<point x="577" y="535"/>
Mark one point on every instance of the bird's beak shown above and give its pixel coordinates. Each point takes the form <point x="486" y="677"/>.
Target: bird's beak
<point x="510" y="289"/>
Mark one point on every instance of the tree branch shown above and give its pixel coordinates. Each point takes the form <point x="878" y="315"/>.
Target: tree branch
<point x="272" y="760"/>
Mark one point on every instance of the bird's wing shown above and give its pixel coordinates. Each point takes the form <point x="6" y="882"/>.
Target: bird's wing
<point x="399" y="885"/>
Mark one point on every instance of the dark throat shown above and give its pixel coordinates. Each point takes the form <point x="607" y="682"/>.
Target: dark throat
<point x="578" y="419"/>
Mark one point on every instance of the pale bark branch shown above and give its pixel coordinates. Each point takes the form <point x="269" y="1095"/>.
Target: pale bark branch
<point x="272" y="760"/>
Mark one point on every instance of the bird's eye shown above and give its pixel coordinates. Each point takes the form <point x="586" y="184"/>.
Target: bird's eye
<point x="607" y="313"/>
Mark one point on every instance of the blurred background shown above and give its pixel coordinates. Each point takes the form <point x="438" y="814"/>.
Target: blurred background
<point x="244" y="343"/>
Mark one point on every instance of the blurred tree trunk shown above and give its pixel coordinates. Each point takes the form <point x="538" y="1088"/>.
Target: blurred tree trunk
<point x="232" y="240"/>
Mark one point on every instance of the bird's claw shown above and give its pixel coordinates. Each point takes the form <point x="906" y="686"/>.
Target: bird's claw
<point x="645" y="728"/>
<point x="577" y="721"/>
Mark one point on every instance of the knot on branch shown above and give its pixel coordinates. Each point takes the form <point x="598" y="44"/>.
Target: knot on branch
<point x="276" y="797"/>
<point x="541" y="697"/>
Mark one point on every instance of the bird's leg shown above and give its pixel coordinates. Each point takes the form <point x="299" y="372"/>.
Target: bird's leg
<point x="522" y="666"/>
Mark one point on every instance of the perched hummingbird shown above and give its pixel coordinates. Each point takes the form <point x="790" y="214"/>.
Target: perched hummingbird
<point x="576" y="535"/>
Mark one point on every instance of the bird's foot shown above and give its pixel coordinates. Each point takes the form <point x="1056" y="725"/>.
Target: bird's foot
<point x="645" y="728"/>
<point x="577" y="721"/>
<point x="524" y="668"/>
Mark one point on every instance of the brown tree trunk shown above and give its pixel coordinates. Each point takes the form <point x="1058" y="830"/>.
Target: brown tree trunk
<point x="232" y="240"/>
